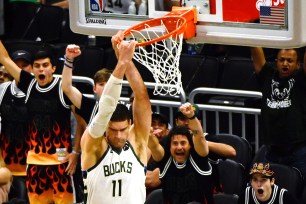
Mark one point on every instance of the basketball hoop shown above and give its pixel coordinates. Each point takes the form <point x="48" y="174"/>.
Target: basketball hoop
<point x="160" y="47"/>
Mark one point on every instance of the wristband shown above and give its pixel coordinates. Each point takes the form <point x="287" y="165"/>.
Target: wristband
<point x="74" y="152"/>
<point x="193" y="117"/>
<point x="68" y="60"/>
<point x="69" y="66"/>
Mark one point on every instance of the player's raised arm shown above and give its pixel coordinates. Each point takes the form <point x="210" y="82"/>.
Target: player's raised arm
<point x="141" y="108"/>
<point x="141" y="104"/>
<point x="92" y="143"/>
<point x="10" y="66"/>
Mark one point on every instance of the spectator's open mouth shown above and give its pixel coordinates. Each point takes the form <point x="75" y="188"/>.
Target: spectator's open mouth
<point x="179" y="153"/>
<point x="285" y="69"/>
<point x="260" y="191"/>
<point x="41" y="77"/>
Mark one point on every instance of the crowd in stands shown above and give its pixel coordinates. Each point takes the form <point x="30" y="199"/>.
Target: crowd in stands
<point x="183" y="163"/>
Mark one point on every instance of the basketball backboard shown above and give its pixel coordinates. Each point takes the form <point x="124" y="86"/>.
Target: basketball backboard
<point x="266" y="23"/>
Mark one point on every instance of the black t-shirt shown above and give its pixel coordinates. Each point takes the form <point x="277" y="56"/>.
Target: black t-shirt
<point x="283" y="107"/>
<point x="89" y="108"/>
<point x="183" y="183"/>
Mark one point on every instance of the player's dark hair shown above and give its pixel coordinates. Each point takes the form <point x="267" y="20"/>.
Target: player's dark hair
<point x="121" y="113"/>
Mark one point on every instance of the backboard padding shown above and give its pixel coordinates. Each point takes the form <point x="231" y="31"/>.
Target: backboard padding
<point x="211" y="28"/>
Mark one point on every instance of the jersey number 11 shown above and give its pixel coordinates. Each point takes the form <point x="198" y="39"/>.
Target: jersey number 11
<point x="115" y="187"/>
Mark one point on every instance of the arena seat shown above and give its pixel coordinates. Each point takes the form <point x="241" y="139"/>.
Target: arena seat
<point x="28" y="45"/>
<point x="66" y="34"/>
<point x="242" y="147"/>
<point x="232" y="176"/>
<point x="238" y="74"/>
<point x="90" y="61"/>
<point x="198" y="71"/>
<point x="39" y="22"/>
<point x="26" y="13"/>
<point x="289" y="178"/>
<point x="303" y="196"/>
<point x="260" y="154"/>
<point x="49" y="22"/>
<point x="222" y="198"/>
<point x="155" y="197"/>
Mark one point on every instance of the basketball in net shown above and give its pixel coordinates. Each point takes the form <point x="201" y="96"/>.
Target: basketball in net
<point x="160" y="44"/>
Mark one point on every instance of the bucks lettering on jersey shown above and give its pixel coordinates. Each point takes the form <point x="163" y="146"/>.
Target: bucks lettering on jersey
<point x="117" y="167"/>
<point x="118" y="177"/>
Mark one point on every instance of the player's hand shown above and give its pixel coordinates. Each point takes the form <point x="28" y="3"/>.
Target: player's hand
<point x="72" y="51"/>
<point x="72" y="163"/>
<point x="187" y="110"/>
<point x="116" y="40"/>
<point x="126" y="50"/>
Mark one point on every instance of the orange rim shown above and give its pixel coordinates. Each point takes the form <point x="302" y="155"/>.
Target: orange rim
<point x="157" y="22"/>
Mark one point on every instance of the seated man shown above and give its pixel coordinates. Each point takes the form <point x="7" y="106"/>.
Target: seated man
<point x="185" y="172"/>
<point x="263" y="188"/>
<point x="217" y="149"/>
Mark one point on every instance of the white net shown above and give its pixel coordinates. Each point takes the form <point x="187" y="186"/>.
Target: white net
<point x="161" y="59"/>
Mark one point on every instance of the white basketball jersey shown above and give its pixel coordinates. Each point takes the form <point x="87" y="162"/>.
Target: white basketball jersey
<point x="117" y="178"/>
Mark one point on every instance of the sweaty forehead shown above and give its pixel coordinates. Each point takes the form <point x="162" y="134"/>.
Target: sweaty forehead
<point x="118" y="125"/>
